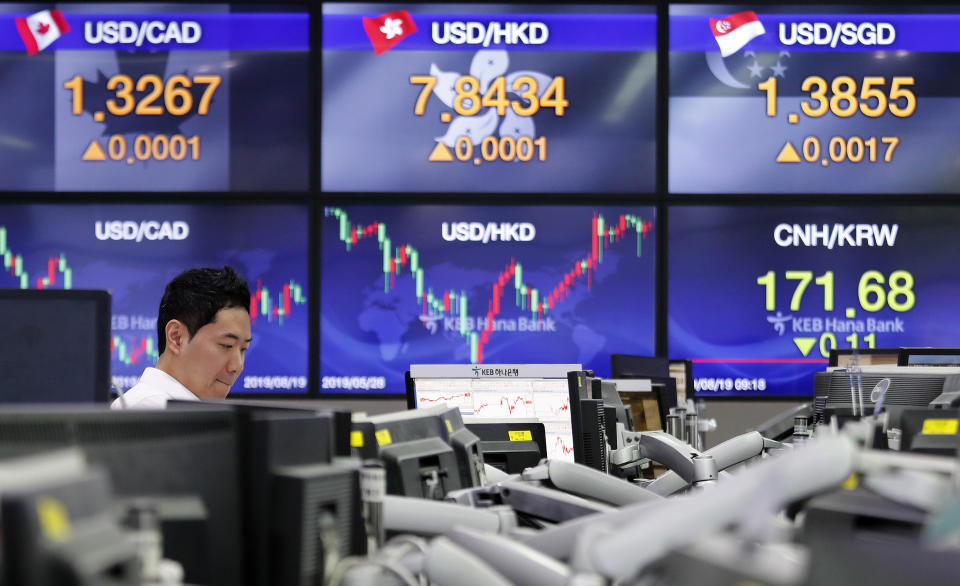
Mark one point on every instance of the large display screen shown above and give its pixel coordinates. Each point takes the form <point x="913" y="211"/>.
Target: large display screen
<point x="134" y="250"/>
<point x="422" y="284"/>
<point x="813" y="99"/>
<point x="154" y="97"/>
<point x="759" y="296"/>
<point x="488" y="98"/>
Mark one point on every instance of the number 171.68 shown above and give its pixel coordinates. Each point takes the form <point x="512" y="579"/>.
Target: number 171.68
<point x="875" y="291"/>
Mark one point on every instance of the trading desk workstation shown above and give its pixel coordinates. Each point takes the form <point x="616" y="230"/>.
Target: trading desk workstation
<point x="540" y="293"/>
<point x="504" y="474"/>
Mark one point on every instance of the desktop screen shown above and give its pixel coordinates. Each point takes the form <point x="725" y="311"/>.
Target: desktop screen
<point x="506" y="98"/>
<point x="813" y="98"/>
<point x="33" y="328"/>
<point x="503" y="391"/>
<point x="139" y="97"/>
<point x="789" y="283"/>
<point x="133" y="251"/>
<point x="435" y="284"/>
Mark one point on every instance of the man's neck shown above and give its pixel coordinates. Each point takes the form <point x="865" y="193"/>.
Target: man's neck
<point x="166" y="365"/>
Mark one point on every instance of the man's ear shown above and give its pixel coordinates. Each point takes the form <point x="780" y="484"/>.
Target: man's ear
<point x="177" y="336"/>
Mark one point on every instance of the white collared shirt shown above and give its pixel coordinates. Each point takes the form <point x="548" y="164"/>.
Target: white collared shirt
<point x="152" y="391"/>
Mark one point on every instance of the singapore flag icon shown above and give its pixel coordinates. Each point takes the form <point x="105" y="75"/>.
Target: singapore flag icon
<point x="735" y="31"/>
<point x="40" y="29"/>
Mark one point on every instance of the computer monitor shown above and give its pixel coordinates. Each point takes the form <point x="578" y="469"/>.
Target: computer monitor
<point x="929" y="357"/>
<point x="664" y="374"/>
<point x="499" y="391"/>
<point x="681" y="371"/>
<point x="931" y="431"/>
<point x="632" y="366"/>
<point x="316" y="520"/>
<point x="614" y="409"/>
<point x="510" y="444"/>
<point x="271" y="436"/>
<point x="914" y="386"/>
<point x="466" y="445"/>
<point x="609" y="391"/>
<point x="186" y="462"/>
<point x="588" y="420"/>
<point x="54" y="346"/>
<point x="59" y="529"/>
<point x="865" y="356"/>
<point x="417" y="458"/>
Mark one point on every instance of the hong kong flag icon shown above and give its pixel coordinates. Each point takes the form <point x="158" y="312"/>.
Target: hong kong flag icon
<point x="41" y="29"/>
<point x="386" y="30"/>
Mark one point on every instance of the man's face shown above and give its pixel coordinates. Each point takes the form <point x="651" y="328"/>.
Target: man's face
<point x="213" y="358"/>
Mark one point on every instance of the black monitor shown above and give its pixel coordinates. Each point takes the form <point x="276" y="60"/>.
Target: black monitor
<point x="466" y="445"/>
<point x="905" y="387"/>
<point x="510" y="445"/>
<point x="865" y="356"/>
<point x="589" y="422"/>
<point x="632" y="366"/>
<point x="185" y="461"/>
<point x="316" y="520"/>
<point x="54" y="346"/>
<point x="270" y="436"/>
<point x="658" y="370"/>
<point x="930" y="431"/>
<point x="681" y="371"/>
<point x="62" y="532"/>
<point x="929" y="357"/>
<point x="615" y="411"/>
<point x="417" y="459"/>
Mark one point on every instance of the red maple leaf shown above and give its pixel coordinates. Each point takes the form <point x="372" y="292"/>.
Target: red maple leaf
<point x="42" y="28"/>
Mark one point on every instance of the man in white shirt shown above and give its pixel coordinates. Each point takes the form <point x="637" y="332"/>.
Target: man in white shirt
<point x="203" y="332"/>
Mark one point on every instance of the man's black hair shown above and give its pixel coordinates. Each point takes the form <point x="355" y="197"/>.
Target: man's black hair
<point x="195" y="296"/>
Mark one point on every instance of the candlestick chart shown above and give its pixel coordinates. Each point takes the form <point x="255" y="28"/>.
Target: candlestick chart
<point x="134" y="251"/>
<point x="448" y="284"/>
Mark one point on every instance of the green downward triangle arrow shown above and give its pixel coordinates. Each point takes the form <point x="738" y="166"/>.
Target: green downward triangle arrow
<point x="805" y="344"/>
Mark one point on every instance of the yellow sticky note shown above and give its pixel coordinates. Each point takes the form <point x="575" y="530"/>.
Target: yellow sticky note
<point x="54" y="519"/>
<point x="520" y="436"/>
<point x="851" y="482"/>
<point x="940" y="426"/>
<point x="449" y="425"/>
<point x="356" y="439"/>
<point x="383" y="437"/>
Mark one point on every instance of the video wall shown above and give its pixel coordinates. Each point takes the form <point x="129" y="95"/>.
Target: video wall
<point x="493" y="183"/>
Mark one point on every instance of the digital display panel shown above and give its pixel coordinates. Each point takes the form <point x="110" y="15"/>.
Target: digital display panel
<point x="548" y="400"/>
<point x="813" y="99"/>
<point x="423" y="284"/>
<point x="154" y="97"/>
<point x="759" y="296"/>
<point x="488" y="98"/>
<point x="133" y="251"/>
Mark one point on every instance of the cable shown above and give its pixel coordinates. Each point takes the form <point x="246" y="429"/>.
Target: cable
<point x="119" y="391"/>
<point x="417" y="542"/>
<point x="349" y="563"/>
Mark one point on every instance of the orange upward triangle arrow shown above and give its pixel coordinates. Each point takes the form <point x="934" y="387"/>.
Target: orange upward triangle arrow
<point x="788" y="154"/>
<point x="440" y="153"/>
<point x="94" y="152"/>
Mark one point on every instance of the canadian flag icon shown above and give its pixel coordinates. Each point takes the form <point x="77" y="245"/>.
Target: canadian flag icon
<point x="40" y="29"/>
<point x="386" y="30"/>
